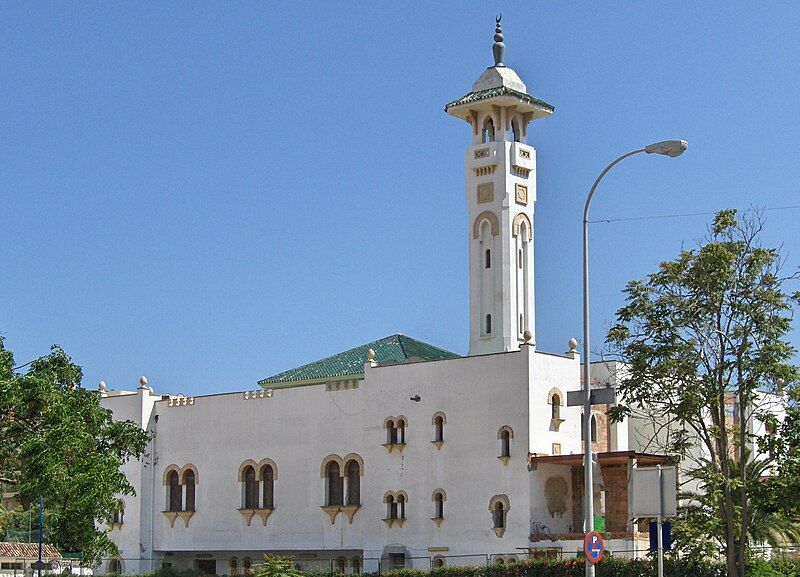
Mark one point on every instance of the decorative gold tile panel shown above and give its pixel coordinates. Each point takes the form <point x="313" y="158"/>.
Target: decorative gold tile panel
<point x="485" y="192"/>
<point x="521" y="194"/>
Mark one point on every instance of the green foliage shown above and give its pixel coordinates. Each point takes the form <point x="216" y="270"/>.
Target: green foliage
<point x="60" y="444"/>
<point x="705" y="342"/>
<point x="274" y="566"/>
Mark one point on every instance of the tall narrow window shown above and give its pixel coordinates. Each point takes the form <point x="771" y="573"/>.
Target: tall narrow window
<point x="353" y="472"/>
<point x="175" y="492"/>
<point x="438" y="505"/>
<point x="356" y="566"/>
<point x="521" y="323"/>
<point x="499" y="516"/>
<point x="401" y="431"/>
<point x="341" y="564"/>
<point x="335" y="484"/>
<point x="247" y="566"/>
<point x="438" y="428"/>
<point x="505" y="443"/>
<point x="234" y="567"/>
<point x="488" y="324"/>
<point x="401" y="507"/>
<point x="391" y="507"/>
<point x="267" y="487"/>
<point x="189" y="481"/>
<point x="594" y="428"/>
<point x="487" y="259"/>
<point x="556" y="407"/>
<point x="119" y="513"/>
<point x="250" y="488"/>
<point x="391" y="433"/>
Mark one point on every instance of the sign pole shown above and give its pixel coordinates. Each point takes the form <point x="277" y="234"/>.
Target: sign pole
<point x="41" y="523"/>
<point x="660" y="536"/>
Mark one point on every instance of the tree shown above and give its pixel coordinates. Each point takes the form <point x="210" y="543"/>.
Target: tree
<point x="704" y="340"/>
<point x="60" y="444"/>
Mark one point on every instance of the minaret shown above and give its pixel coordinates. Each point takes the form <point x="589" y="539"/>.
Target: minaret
<point x="501" y="192"/>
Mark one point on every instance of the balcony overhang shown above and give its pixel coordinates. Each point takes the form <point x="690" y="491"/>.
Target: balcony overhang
<point x="609" y="458"/>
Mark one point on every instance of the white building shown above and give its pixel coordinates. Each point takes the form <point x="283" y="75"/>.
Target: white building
<point x="395" y="452"/>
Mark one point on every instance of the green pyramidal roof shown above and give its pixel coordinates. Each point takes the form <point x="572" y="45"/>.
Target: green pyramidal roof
<point x="392" y="350"/>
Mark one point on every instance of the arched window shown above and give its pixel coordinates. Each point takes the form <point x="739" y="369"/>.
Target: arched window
<point x="401" y="431"/>
<point x="488" y="324"/>
<point x="353" y="472"/>
<point x="267" y="487"/>
<point x="341" y="565"/>
<point x="401" y="507"/>
<point x="438" y="505"/>
<point x="250" y="488"/>
<point x="488" y="129"/>
<point x="438" y="562"/>
<point x="189" y="482"/>
<point x="556" y="407"/>
<point x="499" y="516"/>
<point x="233" y="564"/>
<point x="505" y="442"/>
<point x="115" y="566"/>
<point x="335" y="484"/>
<point x="487" y="259"/>
<point x="515" y="129"/>
<point x="391" y="433"/>
<point x="499" y="560"/>
<point x="247" y="566"/>
<point x="391" y="507"/>
<point x="174" y="492"/>
<point x="356" y="566"/>
<point x="438" y="428"/>
<point x="119" y="513"/>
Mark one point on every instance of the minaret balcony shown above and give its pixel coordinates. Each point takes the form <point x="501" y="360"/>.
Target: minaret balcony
<point x="484" y="155"/>
<point x="523" y="156"/>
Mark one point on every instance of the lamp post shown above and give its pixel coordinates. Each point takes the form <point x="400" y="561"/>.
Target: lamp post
<point x="670" y="148"/>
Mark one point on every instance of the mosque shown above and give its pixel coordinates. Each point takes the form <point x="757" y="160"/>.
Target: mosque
<point x="396" y="453"/>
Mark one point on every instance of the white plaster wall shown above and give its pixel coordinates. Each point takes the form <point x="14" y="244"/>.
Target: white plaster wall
<point x="561" y="372"/>
<point x="132" y="538"/>
<point x="299" y="427"/>
<point x="542" y="520"/>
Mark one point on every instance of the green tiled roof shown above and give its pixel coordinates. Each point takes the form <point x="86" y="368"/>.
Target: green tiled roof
<point x="391" y="350"/>
<point x="500" y="91"/>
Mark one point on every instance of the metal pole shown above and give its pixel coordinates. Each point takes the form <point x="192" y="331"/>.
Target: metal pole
<point x="41" y="523"/>
<point x="588" y="511"/>
<point x="660" y="537"/>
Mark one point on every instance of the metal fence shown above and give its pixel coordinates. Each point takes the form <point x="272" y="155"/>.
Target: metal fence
<point x="353" y="562"/>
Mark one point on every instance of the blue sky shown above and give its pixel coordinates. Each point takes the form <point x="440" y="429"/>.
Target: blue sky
<point x="210" y="193"/>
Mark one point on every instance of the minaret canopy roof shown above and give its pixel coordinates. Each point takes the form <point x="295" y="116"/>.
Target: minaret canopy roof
<point x="502" y="96"/>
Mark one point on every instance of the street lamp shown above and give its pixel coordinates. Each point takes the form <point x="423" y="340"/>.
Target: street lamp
<point x="670" y="148"/>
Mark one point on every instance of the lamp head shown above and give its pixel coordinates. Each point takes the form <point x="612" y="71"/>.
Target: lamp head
<point x="671" y="148"/>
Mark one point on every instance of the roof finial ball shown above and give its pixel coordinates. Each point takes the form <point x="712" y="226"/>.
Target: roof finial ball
<point x="143" y="382"/>
<point x="498" y="48"/>
<point x="527" y="336"/>
<point x="101" y="386"/>
<point x="573" y="345"/>
<point x="370" y="355"/>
